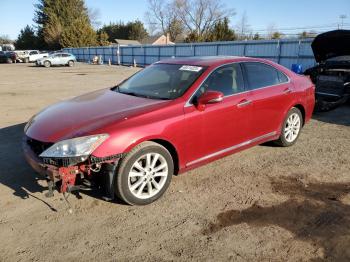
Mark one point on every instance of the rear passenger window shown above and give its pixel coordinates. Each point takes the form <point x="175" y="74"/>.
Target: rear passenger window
<point x="261" y="75"/>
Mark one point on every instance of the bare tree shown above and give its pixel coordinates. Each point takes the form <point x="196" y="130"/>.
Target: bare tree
<point x="161" y="16"/>
<point x="5" y="39"/>
<point x="270" y="30"/>
<point x="199" y="16"/>
<point x="94" y="16"/>
<point x="243" y="27"/>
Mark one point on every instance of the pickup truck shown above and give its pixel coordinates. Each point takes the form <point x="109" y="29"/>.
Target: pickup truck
<point x="34" y="55"/>
<point x="26" y="56"/>
<point x="22" y="56"/>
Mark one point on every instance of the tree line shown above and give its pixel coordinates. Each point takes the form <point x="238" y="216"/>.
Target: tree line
<point x="69" y="23"/>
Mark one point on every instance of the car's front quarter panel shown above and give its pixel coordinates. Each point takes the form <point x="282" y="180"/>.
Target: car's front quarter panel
<point x="163" y="124"/>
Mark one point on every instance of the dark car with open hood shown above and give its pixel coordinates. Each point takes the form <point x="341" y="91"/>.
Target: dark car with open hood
<point x="332" y="74"/>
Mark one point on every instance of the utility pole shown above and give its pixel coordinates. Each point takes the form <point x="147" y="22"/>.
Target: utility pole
<point x="342" y="17"/>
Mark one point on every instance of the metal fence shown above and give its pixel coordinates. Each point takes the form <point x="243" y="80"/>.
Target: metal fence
<point x="284" y="52"/>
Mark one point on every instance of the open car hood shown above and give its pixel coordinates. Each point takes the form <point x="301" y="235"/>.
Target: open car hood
<point x="331" y="44"/>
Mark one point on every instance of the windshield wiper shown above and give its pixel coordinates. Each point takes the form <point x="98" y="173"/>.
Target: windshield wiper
<point x="117" y="89"/>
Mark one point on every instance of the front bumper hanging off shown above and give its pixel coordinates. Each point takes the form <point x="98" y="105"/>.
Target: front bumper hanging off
<point x="65" y="174"/>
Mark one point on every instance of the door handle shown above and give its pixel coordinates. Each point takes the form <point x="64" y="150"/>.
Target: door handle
<point x="288" y="90"/>
<point x="244" y="103"/>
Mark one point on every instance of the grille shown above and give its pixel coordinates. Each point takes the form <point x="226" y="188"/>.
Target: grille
<point x="37" y="146"/>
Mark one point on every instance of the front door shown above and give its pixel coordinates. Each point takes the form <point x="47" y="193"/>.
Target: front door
<point x="56" y="59"/>
<point x="222" y="126"/>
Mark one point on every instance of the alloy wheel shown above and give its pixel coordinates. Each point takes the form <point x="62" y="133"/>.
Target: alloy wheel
<point x="292" y="127"/>
<point x="148" y="175"/>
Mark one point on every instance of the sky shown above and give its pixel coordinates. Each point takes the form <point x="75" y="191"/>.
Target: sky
<point x="283" y="14"/>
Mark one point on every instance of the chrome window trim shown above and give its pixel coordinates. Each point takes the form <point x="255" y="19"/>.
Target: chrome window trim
<point x="248" y="142"/>
<point x="188" y="103"/>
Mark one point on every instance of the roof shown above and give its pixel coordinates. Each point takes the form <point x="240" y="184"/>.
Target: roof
<point x="202" y="60"/>
<point x="150" y="40"/>
<point x="214" y="61"/>
<point x="127" y="42"/>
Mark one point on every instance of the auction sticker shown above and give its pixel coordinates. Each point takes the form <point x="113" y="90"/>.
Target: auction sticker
<point x="190" y="68"/>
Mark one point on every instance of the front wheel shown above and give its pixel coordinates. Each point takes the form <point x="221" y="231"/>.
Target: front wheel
<point x="47" y="64"/>
<point x="144" y="174"/>
<point x="291" y="128"/>
<point x="71" y="63"/>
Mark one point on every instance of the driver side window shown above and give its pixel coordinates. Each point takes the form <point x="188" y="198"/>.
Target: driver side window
<point x="226" y="79"/>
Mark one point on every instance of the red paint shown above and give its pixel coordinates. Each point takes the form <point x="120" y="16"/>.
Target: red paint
<point x="68" y="176"/>
<point x="194" y="132"/>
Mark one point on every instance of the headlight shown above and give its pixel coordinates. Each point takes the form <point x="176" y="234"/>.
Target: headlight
<point x="75" y="147"/>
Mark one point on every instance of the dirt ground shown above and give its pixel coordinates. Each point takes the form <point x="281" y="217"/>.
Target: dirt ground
<point x="266" y="203"/>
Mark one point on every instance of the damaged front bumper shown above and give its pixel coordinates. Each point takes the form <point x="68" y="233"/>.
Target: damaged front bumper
<point x="66" y="174"/>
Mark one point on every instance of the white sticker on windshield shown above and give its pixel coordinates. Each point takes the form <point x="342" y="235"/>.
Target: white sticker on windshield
<point x="190" y="68"/>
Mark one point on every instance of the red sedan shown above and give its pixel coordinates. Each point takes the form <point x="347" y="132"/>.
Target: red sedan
<point x="168" y="118"/>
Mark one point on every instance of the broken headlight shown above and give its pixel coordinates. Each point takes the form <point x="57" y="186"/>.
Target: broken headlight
<point x="76" y="147"/>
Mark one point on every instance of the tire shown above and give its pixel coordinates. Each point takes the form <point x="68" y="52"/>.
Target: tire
<point x="291" y="128"/>
<point x="9" y="61"/>
<point x="135" y="182"/>
<point x="26" y="60"/>
<point x="70" y="63"/>
<point x="47" y="64"/>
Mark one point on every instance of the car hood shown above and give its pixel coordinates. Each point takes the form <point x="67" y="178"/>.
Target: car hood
<point x="331" y="44"/>
<point x="85" y="114"/>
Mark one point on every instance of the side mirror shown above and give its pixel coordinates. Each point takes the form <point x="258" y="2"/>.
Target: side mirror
<point x="209" y="97"/>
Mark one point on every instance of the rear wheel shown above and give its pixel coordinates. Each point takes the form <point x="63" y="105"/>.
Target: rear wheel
<point x="26" y="60"/>
<point x="47" y="64"/>
<point x="291" y="128"/>
<point x="144" y="174"/>
<point x="70" y="63"/>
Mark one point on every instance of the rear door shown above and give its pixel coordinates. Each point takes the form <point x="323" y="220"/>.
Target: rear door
<point x="223" y="125"/>
<point x="271" y="93"/>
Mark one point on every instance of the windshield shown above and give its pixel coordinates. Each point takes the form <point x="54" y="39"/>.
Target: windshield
<point x="161" y="81"/>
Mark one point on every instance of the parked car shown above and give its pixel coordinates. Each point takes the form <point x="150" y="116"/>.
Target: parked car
<point x="332" y="74"/>
<point x="34" y="55"/>
<point x="57" y="59"/>
<point x="8" y="57"/>
<point x="170" y="117"/>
